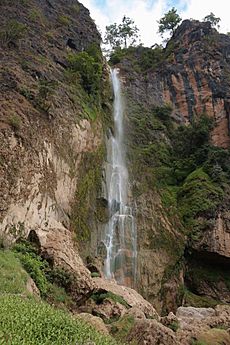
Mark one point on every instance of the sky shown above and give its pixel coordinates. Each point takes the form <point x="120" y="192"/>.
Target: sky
<point x="146" y="13"/>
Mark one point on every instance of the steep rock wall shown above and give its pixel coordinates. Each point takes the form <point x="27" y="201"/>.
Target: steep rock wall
<point x="47" y="130"/>
<point x="192" y="77"/>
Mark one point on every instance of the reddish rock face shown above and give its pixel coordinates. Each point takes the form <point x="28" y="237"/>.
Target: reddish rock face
<point x="196" y="80"/>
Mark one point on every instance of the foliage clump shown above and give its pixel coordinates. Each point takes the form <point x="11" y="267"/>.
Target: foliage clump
<point x="212" y="19"/>
<point x="12" y="32"/>
<point x="88" y="67"/>
<point x="99" y="298"/>
<point x="122" y="35"/>
<point x="169" y="22"/>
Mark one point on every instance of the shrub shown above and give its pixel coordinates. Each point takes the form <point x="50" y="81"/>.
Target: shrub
<point x="12" y="32"/>
<point x="88" y="69"/>
<point x="174" y="325"/>
<point x="15" y="122"/>
<point x="64" y="20"/>
<point x="99" y="298"/>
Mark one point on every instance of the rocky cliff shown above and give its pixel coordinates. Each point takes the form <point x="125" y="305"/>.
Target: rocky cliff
<point x="178" y="122"/>
<point x="51" y="126"/>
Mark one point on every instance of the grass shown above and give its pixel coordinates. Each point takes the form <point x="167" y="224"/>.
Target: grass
<point x="26" y="321"/>
<point x="13" y="277"/>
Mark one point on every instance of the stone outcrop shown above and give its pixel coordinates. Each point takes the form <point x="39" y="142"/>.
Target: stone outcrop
<point x="189" y="325"/>
<point x="130" y="296"/>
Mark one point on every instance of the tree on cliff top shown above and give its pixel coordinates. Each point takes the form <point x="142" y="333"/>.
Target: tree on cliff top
<point x="122" y="35"/>
<point x="212" y="19"/>
<point x="169" y="22"/>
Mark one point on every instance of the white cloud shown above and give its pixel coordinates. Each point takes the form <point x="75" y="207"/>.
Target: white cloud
<point x="145" y="13"/>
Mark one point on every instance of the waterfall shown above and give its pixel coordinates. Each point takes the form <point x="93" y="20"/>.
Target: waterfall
<point x="120" y="233"/>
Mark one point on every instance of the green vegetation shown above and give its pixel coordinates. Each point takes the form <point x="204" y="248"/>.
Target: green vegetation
<point x="86" y="195"/>
<point x="191" y="299"/>
<point x="53" y="282"/>
<point x="64" y="20"/>
<point x="198" y="196"/>
<point x="15" y="122"/>
<point x="12" y="32"/>
<point x="88" y="69"/>
<point x="25" y="321"/>
<point x="181" y="162"/>
<point x="13" y="277"/>
<point x="46" y="88"/>
<point x="174" y="325"/>
<point x="36" y="16"/>
<point x="169" y="22"/>
<point x="33" y="264"/>
<point x="99" y="297"/>
<point x="121" y="328"/>
<point x="122" y="35"/>
<point x="212" y="19"/>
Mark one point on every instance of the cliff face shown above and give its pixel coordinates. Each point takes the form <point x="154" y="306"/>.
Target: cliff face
<point x="187" y="81"/>
<point x="193" y="78"/>
<point x="49" y="126"/>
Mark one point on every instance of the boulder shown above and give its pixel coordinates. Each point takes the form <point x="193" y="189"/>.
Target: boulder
<point x="131" y="297"/>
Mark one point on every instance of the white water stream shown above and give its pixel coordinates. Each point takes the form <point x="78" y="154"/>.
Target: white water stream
<point x="120" y="235"/>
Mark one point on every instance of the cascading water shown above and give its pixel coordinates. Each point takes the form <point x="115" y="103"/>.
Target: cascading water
<point x="120" y="233"/>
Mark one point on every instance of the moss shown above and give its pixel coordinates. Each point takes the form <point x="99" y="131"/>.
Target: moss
<point x="198" y="196"/>
<point x="193" y="300"/>
<point x="99" y="297"/>
<point x="88" y="189"/>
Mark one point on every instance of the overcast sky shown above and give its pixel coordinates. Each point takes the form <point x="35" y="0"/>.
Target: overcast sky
<point x="145" y="13"/>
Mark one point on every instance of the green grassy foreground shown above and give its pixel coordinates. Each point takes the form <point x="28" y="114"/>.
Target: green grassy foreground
<point x="26" y="321"/>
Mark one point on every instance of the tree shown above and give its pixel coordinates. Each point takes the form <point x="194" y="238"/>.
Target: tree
<point x="212" y="19"/>
<point x="122" y="35"/>
<point x="169" y="22"/>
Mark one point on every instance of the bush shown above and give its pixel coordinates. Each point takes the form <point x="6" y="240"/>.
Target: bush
<point x="88" y="69"/>
<point x="99" y="298"/>
<point x="15" y="122"/>
<point x="12" y="32"/>
<point x="64" y="20"/>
